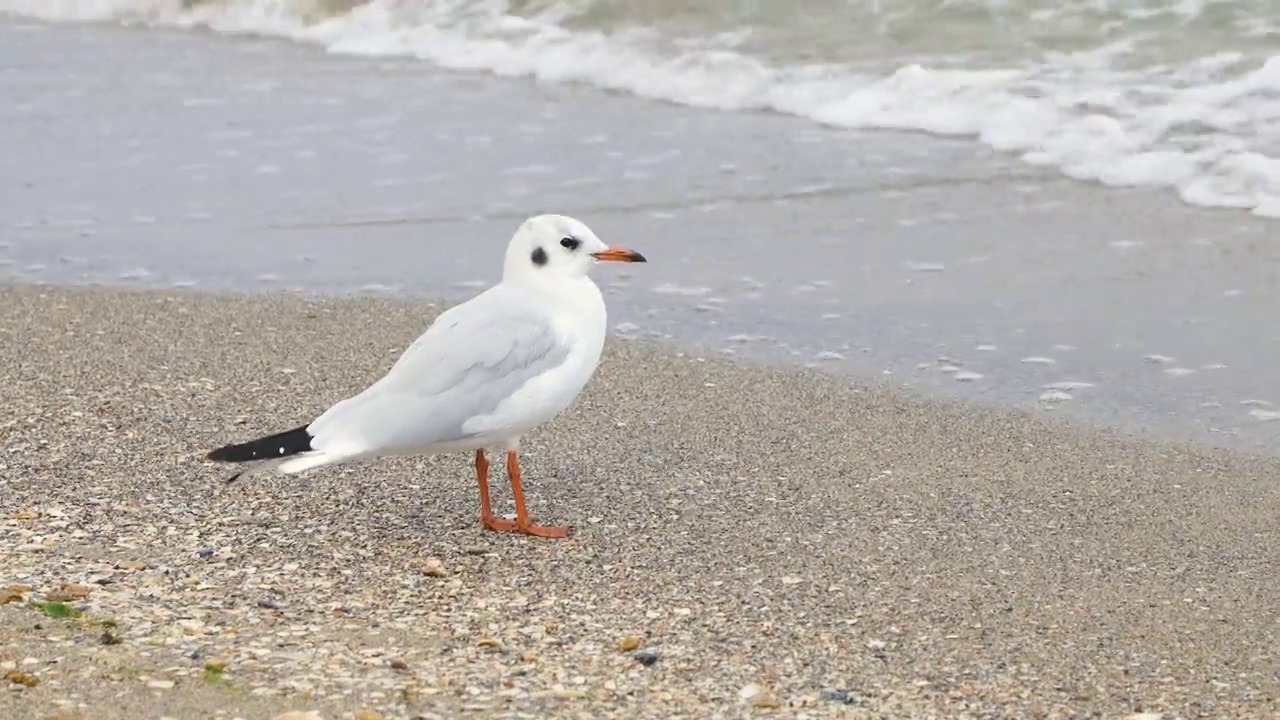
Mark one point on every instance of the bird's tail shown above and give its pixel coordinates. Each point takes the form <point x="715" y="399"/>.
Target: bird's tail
<point x="269" y="447"/>
<point x="272" y="448"/>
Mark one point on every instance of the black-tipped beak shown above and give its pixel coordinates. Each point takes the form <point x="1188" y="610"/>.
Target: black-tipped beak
<point x="618" y="254"/>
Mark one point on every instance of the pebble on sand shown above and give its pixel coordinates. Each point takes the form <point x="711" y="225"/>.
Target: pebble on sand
<point x="68" y="592"/>
<point x="433" y="567"/>
<point x="18" y="677"/>
<point x="629" y="643"/>
<point x="757" y="696"/>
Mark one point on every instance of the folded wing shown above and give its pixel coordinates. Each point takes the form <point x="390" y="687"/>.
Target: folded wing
<point x="469" y="361"/>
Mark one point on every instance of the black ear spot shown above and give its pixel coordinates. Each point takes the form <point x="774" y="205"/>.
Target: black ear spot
<point x="539" y="256"/>
<point x="570" y="242"/>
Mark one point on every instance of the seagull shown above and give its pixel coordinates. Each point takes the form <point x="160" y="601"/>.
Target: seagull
<point x="484" y="374"/>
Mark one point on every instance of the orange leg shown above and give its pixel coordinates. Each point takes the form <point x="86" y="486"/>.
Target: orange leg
<point x="522" y="523"/>
<point x="522" y="516"/>
<point x="482" y="479"/>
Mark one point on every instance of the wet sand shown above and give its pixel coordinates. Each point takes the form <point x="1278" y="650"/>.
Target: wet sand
<point x="848" y="551"/>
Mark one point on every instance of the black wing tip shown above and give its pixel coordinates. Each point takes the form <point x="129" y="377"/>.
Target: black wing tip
<point x="279" y="445"/>
<point x="222" y="454"/>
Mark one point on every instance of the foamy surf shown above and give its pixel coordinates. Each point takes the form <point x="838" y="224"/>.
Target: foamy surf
<point x="1177" y="98"/>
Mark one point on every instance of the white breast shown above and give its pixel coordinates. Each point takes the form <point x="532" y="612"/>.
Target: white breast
<point x="579" y="319"/>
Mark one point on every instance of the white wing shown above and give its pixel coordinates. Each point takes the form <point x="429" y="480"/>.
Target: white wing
<point x="473" y="357"/>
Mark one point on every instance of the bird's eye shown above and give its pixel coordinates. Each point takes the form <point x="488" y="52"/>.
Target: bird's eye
<point x="570" y="242"/>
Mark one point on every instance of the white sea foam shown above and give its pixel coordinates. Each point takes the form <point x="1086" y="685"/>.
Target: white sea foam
<point x="1198" y="115"/>
<point x="1068" y="385"/>
<point x="673" y="289"/>
<point x="135" y="274"/>
<point x="926" y="266"/>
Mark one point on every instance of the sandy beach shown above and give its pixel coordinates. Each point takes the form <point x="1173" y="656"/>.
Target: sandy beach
<point x="759" y="541"/>
<point x="949" y="390"/>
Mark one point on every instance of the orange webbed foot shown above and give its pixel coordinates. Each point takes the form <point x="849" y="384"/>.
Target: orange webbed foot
<point x="498" y="524"/>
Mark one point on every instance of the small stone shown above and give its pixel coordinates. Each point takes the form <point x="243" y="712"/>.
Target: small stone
<point x="398" y="664"/>
<point x="766" y="700"/>
<point x="216" y="665"/>
<point x="529" y="656"/>
<point x="363" y="714"/>
<point x="489" y="643"/>
<point x="161" y="684"/>
<point x="18" y="677"/>
<point x="646" y="657"/>
<point x="132" y="565"/>
<point x="298" y="715"/>
<point x="791" y="580"/>
<point x="434" y="568"/>
<point x="629" y="643"/>
<point x="837" y="696"/>
<point x="566" y="694"/>
<point x="25" y="515"/>
<point x="476" y="550"/>
<point x="756" y="696"/>
<point x="68" y="592"/>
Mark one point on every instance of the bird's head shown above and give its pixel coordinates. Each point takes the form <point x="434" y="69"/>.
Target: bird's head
<point x="558" y="246"/>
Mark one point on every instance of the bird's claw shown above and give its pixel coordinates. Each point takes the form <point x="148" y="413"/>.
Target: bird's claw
<point x="498" y="524"/>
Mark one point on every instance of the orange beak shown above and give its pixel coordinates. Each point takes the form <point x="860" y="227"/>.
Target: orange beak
<point x="618" y="254"/>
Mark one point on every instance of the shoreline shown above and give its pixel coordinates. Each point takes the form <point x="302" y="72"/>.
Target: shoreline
<point x="431" y="304"/>
<point x="847" y="551"/>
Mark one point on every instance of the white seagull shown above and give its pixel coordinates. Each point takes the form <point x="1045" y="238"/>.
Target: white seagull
<point x="483" y="374"/>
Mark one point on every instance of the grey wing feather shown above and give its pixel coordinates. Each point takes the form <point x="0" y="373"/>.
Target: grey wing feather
<point x="471" y="359"/>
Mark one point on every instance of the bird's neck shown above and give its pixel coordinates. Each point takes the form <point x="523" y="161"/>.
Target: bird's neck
<point x="559" y="290"/>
